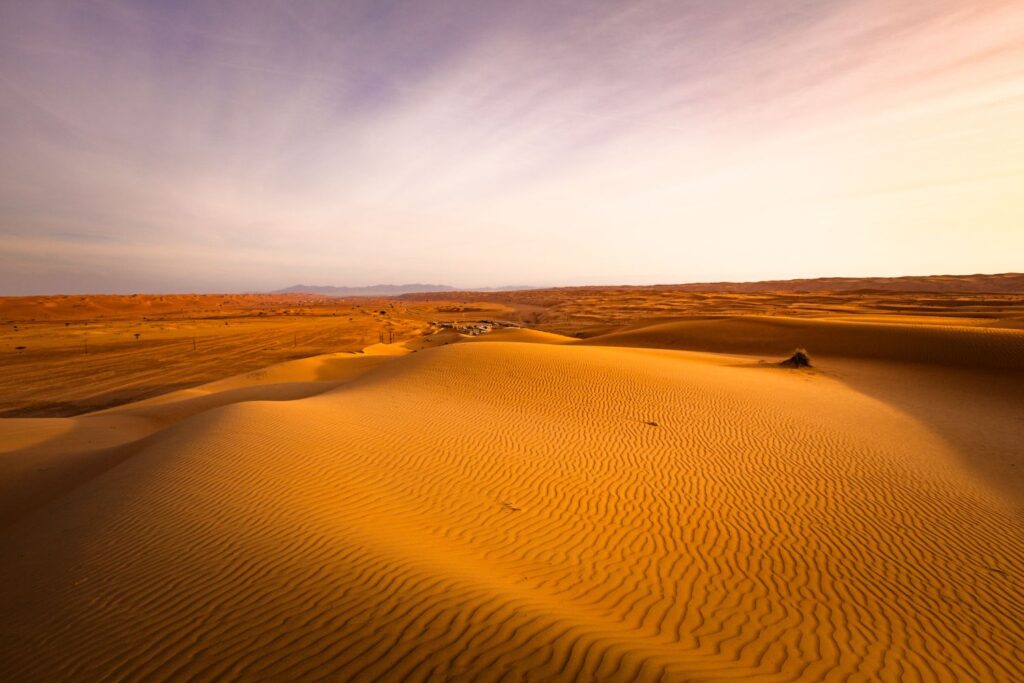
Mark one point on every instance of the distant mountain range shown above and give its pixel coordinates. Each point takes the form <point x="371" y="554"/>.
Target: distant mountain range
<point x="383" y="290"/>
<point x="1001" y="283"/>
<point x="981" y="283"/>
<point x="997" y="283"/>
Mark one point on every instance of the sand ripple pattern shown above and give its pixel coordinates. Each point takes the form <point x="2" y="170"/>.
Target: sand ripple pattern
<point x="511" y="512"/>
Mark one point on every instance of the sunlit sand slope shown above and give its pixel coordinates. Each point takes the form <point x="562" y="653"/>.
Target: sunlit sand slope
<point x="510" y="511"/>
<point x="41" y="458"/>
<point x="971" y="346"/>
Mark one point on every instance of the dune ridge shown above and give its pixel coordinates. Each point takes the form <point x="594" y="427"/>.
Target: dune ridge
<point x="524" y="511"/>
<point x="46" y="457"/>
<point x="950" y="345"/>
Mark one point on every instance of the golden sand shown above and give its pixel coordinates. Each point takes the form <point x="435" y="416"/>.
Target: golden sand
<point x="553" y="510"/>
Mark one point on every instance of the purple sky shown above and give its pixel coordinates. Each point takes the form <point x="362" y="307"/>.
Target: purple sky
<point x="226" y="146"/>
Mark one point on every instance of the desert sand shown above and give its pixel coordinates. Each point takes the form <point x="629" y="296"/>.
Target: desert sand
<point x="654" y="499"/>
<point x="70" y="355"/>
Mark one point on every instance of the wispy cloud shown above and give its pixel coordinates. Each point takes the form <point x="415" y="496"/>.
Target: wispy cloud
<point x="249" y="145"/>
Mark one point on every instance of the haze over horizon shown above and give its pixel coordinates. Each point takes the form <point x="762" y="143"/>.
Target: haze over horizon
<point x="237" y="146"/>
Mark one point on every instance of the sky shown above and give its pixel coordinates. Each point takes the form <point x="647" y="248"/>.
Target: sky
<point x="247" y="146"/>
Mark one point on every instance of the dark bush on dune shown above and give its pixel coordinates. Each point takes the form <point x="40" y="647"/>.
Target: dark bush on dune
<point x="799" y="359"/>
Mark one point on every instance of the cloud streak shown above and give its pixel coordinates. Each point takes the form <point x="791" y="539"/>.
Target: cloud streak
<point x="226" y="146"/>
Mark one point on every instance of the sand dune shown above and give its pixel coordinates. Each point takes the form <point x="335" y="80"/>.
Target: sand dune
<point x="527" y="511"/>
<point x="951" y="345"/>
<point x="591" y="311"/>
<point x="41" y="458"/>
<point x="72" y="355"/>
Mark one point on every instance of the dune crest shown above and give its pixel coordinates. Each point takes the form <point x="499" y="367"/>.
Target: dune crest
<point x="510" y="511"/>
<point x="949" y="345"/>
<point x="41" y="458"/>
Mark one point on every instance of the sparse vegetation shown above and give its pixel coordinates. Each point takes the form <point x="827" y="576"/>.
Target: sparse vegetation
<point x="799" y="359"/>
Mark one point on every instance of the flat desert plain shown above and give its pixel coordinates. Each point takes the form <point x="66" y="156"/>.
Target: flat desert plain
<point x="627" y="487"/>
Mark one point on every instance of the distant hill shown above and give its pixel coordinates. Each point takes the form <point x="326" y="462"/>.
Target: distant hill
<point x="1004" y="283"/>
<point x="388" y="290"/>
<point x="371" y="290"/>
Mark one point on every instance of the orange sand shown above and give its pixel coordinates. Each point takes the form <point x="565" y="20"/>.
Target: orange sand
<point x="551" y="510"/>
<point x="81" y="355"/>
